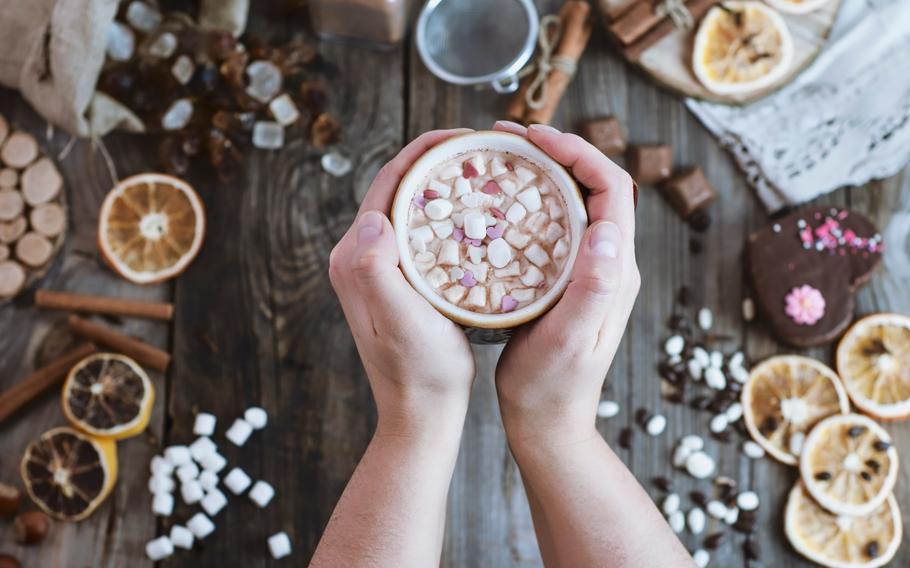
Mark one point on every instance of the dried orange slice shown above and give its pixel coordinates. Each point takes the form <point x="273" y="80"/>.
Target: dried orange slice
<point x="741" y="47"/>
<point x="68" y="473"/>
<point x="873" y="360"/>
<point x="151" y="227"/>
<point x="108" y="396"/>
<point x="784" y="398"/>
<point x="840" y="541"/>
<point x="848" y="464"/>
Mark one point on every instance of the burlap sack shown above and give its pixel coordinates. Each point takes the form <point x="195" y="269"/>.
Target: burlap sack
<point x="53" y="51"/>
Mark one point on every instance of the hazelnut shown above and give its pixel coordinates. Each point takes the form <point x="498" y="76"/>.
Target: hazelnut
<point x="10" y="498"/>
<point x="31" y="527"/>
<point x="7" y="561"/>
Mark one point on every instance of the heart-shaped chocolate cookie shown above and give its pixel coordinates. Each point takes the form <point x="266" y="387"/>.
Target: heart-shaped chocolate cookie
<point x="806" y="268"/>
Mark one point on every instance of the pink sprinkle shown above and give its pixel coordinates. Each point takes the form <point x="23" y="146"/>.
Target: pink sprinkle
<point x="419" y="201"/>
<point x="469" y="171"/>
<point x="508" y="304"/>
<point x="475" y="242"/>
<point x="496" y="212"/>
<point x="458" y="234"/>
<point x="468" y="280"/>
<point x="491" y="188"/>
<point x="843" y="215"/>
<point x="805" y="305"/>
<point x="430" y="194"/>
<point x="850" y="235"/>
<point x="806" y="235"/>
<point x="495" y="232"/>
<point x="510" y="166"/>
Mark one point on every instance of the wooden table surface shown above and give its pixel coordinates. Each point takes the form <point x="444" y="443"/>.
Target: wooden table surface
<point x="257" y="323"/>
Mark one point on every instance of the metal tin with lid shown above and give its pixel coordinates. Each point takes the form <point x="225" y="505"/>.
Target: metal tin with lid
<point x="478" y="42"/>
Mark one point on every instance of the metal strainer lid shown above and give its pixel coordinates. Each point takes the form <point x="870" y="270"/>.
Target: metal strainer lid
<point x="468" y="42"/>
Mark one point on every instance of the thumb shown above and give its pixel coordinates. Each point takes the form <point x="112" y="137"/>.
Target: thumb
<point x="596" y="278"/>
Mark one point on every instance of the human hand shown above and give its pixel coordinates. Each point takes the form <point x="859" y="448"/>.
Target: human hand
<point x="419" y="363"/>
<point x="550" y="375"/>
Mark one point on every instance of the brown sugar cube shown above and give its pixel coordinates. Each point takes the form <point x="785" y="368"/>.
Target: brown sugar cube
<point x="12" y="278"/>
<point x="33" y="250"/>
<point x="41" y="182"/>
<point x="19" y="150"/>
<point x="8" y="178"/>
<point x="11" y="204"/>
<point x="688" y="191"/>
<point x="10" y="231"/>
<point x="605" y="134"/>
<point x="650" y="163"/>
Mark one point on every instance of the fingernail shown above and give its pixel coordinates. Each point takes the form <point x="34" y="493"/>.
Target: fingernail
<point x="544" y="128"/>
<point x="369" y="227"/>
<point x="605" y="239"/>
<point x="509" y="124"/>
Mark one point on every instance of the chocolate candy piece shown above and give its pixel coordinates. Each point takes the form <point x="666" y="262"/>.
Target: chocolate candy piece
<point x="833" y="251"/>
<point x="605" y="134"/>
<point x="688" y="191"/>
<point x="650" y="163"/>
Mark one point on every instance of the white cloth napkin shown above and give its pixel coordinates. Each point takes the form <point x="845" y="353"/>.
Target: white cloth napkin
<point x="843" y="121"/>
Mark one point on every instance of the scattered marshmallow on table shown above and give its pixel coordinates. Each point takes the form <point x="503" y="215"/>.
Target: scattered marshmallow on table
<point x="192" y="492"/>
<point x="208" y="479"/>
<point x="187" y="472"/>
<point x="256" y="417"/>
<point x="202" y="447"/>
<point x="213" y="502"/>
<point x="200" y="525"/>
<point x="279" y="545"/>
<point x="161" y="466"/>
<point x="163" y="504"/>
<point x="204" y="424"/>
<point x="237" y="481"/>
<point x="182" y="537"/>
<point x="262" y="493"/>
<point x="161" y="484"/>
<point x="177" y="455"/>
<point x="239" y="432"/>
<point x="159" y="548"/>
<point x="213" y="462"/>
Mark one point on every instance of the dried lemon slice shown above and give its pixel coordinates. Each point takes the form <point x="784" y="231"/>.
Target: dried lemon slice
<point x="840" y="541"/>
<point x="873" y="359"/>
<point x="741" y="47"/>
<point x="797" y="6"/>
<point x="784" y="398"/>
<point x="68" y="473"/>
<point x="108" y="396"/>
<point x="848" y="464"/>
<point x="151" y="227"/>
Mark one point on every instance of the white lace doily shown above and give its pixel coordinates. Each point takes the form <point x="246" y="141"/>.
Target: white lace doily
<point x="844" y="121"/>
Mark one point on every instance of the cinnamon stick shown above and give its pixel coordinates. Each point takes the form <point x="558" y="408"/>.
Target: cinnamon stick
<point x="144" y="354"/>
<point x="576" y="32"/>
<point x="41" y="380"/>
<point x="634" y="23"/>
<point x="697" y="8"/>
<point x="69" y="301"/>
<point x="518" y="106"/>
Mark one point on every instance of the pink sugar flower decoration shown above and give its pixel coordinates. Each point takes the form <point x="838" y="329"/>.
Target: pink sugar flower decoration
<point x="805" y="305"/>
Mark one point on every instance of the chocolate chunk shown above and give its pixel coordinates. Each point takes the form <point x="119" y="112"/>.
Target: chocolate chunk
<point x="650" y="163"/>
<point x="700" y="221"/>
<point x="688" y="191"/>
<point x="605" y="134"/>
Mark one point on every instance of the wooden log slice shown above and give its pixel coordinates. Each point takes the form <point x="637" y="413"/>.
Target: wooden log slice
<point x="4" y="129"/>
<point x="4" y="252"/>
<point x="11" y="204"/>
<point x="12" y="278"/>
<point x="48" y="219"/>
<point x="10" y="231"/>
<point x="41" y="182"/>
<point x="8" y="178"/>
<point x="19" y="150"/>
<point x="34" y="250"/>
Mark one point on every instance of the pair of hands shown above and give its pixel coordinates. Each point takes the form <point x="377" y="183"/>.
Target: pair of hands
<point x="550" y="375"/>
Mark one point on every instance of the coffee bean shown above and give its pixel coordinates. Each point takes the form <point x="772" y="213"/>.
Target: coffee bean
<point x="642" y="415"/>
<point x="866" y="475"/>
<point x="881" y="445"/>
<point x="675" y="396"/>
<point x="823" y="476"/>
<point x="768" y="425"/>
<point x="625" y="438"/>
<point x="700" y="221"/>
<point x="714" y="540"/>
<point x="662" y="483"/>
<point x="855" y="431"/>
<point x="684" y="296"/>
<point x="677" y="322"/>
<point x="751" y="549"/>
<point x="873" y="465"/>
<point x="872" y="549"/>
<point x="699" y="498"/>
<point x="723" y="436"/>
<point x="744" y="526"/>
<point x="699" y="403"/>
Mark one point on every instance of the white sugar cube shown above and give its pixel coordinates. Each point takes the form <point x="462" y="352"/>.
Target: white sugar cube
<point x="187" y="472"/>
<point x="213" y="462"/>
<point x="239" y="432"/>
<point x="200" y="525"/>
<point x="182" y="537"/>
<point x="213" y="502"/>
<point x="262" y="493"/>
<point x="177" y="455"/>
<point x="284" y="110"/>
<point x="161" y="484"/>
<point x="204" y="425"/>
<point x="163" y="504"/>
<point x="530" y="198"/>
<point x="237" y="481"/>
<point x="208" y="480"/>
<point x="202" y="447"/>
<point x="192" y="492"/>
<point x="161" y="466"/>
<point x="160" y="548"/>
<point x="279" y="545"/>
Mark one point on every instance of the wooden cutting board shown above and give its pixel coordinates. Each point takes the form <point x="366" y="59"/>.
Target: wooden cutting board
<point x="669" y="61"/>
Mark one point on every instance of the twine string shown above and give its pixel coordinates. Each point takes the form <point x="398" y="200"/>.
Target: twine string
<point x="550" y="34"/>
<point x="677" y="12"/>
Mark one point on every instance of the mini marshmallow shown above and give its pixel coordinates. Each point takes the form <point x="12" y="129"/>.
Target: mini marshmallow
<point x="516" y="213"/>
<point x="530" y="198"/>
<point x="202" y="447"/>
<point x="553" y="233"/>
<point x="161" y="466"/>
<point x="192" y="492"/>
<point x="443" y="229"/>
<point x="161" y="484"/>
<point x="517" y="239"/>
<point x="182" y="537"/>
<point x="499" y="253"/>
<point x="475" y="254"/>
<point x="561" y="249"/>
<point x="462" y="187"/>
<point x="163" y="504"/>
<point x="449" y="253"/>
<point x="257" y="417"/>
<point x="477" y="297"/>
<point x="497" y="291"/>
<point x="438" y="209"/>
<point x="472" y="200"/>
<point x="479" y="164"/>
<point x="443" y="189"/>
<point x="422" y="234"/>
<point x="205" y="424"/>
<point x="187" y="472"/>
<point x="454" y="294"/>
<point x="537" y="255"/>
<point x="262" y="493"/>
<point x="279" y="545"/>
<point x="522" y="294"/>
<point x="513" y="269"/>
<point x="450" y="172"/>
<point x="239" y="432"/>
<point x="554" y="208"/>
<point x="524" y="174"/>
<point x="208" y="480"/>
<point x="437" y="277"/>
<point x="532" y="277"/>
<point x="159" y="549"/>
<point x="475" y="226"/>
<point x="479" y="270"/>
<point x="508" y="187"/>
<point x="213" y="502"/>
<point x="213" y="462"/>
<point x="497" y="167"/>
<point x="536" y="222"/>
<point x="177" y="455"/>
<point x="200" y="525"/>
<point x="237" y="481"/>
<point x="425" y="260"/>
